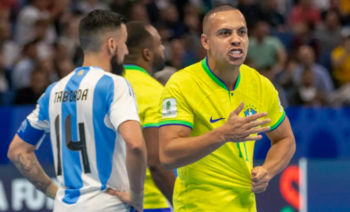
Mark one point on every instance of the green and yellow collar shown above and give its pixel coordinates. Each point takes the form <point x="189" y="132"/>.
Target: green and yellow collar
<point x="136" y="68"/>
<point x="215" y="78"/>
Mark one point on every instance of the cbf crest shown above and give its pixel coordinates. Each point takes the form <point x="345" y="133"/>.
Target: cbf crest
<point x="249" y="110"/>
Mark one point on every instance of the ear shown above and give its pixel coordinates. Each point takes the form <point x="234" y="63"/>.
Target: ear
<point x="111" y="46"/>
<point x="205" y="41"/>
<point x="147" y="54"/>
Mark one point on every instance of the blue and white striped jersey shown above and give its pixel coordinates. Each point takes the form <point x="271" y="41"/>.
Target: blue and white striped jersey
<point x="82" y="113"/>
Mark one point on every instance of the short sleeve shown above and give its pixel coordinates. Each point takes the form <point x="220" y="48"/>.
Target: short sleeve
<point x="121" y="102"/>
<point x="274" y="108"/>
<point x="174" y="106"/>
<point x="151" y="114"/>
<point x="35" y="127"/>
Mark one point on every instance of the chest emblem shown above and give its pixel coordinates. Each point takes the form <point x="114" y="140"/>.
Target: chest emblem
<point x="249" y="110"/>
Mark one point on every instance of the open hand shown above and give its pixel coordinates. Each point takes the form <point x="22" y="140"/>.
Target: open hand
<point x="238" y="129"/>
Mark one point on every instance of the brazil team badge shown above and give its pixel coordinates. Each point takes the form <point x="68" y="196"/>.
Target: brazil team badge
<point x="249" y="110"/>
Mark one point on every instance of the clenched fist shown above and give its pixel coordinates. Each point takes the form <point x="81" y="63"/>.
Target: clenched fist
<point x="259" y="179"/>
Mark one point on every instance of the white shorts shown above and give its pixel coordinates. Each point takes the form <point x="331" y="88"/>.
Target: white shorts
<point x="97" y="201"/>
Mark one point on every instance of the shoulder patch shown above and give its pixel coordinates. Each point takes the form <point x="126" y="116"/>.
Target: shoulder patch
<point x="169" y="108"/>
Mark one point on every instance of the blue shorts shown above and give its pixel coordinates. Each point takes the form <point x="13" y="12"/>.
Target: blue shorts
<point x="157" y="210"/>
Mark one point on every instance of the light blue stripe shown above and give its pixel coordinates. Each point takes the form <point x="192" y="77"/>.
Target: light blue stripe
<point x="131" y="90"/>
<point x="72" y="169"/>
<point x="44" y="103"/>
<point x="104" y="136"/>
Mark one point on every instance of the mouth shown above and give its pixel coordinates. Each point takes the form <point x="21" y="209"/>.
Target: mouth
<point x="236" y="53"/>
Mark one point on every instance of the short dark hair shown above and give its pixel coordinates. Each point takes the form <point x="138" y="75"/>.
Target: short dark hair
<point x="219" y="8"/>
<point x="96" y="23"/>
<point x="138" y="38"/>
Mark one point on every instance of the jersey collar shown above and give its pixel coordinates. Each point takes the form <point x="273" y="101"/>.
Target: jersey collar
<point x="134" y="67"/>
<point x="215" y="78"/>
<point x="87" y="68"/>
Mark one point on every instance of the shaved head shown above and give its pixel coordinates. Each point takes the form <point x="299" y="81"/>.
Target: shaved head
<point x="225" y="36"/>
<point x="212" y="12"/>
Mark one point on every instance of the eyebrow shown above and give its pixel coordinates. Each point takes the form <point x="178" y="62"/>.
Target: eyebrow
<point x="243" y="27"/>
<point x="223" y="29"/>
<point x="229" y="29"/>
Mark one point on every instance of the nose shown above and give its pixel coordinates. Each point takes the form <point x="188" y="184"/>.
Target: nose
<point x="235" y="40"/>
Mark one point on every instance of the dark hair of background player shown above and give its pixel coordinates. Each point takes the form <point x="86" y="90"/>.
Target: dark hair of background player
<point x="138" y="39"/>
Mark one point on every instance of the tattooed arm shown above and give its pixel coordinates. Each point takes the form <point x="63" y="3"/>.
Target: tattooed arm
<point x="23" y="156"/>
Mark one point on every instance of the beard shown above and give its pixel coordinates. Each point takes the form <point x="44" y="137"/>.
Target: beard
<point x="116" y="68"/>
<point x="158" y="63"/>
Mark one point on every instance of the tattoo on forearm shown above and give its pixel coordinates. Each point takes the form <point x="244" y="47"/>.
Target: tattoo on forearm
<point x="30" y="168"/>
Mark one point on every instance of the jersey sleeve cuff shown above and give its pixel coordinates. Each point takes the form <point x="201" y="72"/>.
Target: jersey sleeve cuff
<point x="279" y="122"/>
<point x="176" y="122"/>
<point x="30" y="134"/>
<point x="150" y="125"/>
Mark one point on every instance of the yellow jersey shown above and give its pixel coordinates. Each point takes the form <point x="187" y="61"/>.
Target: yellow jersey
<point x="196" y="98"/>
<point x="342" y="72"/>
<point x="148" y="92"/>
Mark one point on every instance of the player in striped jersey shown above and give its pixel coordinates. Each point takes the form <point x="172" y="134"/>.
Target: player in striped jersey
<point x="93" y="121"/>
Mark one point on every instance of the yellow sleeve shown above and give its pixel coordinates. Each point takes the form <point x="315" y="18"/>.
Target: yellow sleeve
<point x="274" y="108"/>
<point x="151" y="114"/>
<point x="174" y="107"/>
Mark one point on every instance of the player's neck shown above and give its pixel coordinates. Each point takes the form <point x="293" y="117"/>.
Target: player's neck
<point x="97" y="60"/>
<point x="226" y="73"/>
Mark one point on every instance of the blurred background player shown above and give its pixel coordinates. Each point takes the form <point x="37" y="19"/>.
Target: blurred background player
<point x="146" y="53"/>
<point x="212" y="113"/>
<point x="164" y="75"/>
<point x="92" y="118"/>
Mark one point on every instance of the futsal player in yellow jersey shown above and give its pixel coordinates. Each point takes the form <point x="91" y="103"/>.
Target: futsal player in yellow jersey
<point x="208" y="134"/>
<point x="146" y="52"/>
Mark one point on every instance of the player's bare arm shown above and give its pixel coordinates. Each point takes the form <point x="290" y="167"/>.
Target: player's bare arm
<point x="281" y="152"/>
<point x="136" y="163"/>
<point x="177" y="149"/>
<point x="23" y="156"/>
<point x="163" y="179"/>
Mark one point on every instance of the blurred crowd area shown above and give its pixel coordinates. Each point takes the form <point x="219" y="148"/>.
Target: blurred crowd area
<point x="302" y="46"/>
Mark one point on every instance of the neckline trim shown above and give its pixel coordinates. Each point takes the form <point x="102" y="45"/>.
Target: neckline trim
<point x="215" y="78"/>
<point x="135" y="67"/>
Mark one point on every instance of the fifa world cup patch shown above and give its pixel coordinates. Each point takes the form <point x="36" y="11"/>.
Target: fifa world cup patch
<point x="169" y="108"/>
